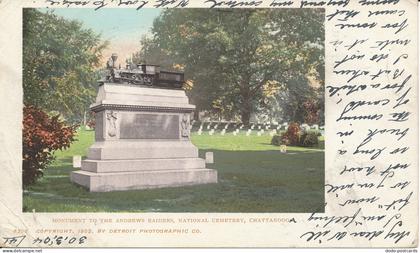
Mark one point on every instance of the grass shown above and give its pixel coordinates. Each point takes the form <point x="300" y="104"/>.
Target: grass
<point x="253" y="177"/>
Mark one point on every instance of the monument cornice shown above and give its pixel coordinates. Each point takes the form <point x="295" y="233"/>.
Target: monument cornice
<point x="142" y="108"/>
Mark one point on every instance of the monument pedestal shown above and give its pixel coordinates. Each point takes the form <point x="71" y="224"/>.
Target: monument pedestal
<point x="142" y="140"/>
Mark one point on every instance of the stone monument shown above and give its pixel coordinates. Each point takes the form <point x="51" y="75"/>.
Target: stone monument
<point x="142" y="134"/>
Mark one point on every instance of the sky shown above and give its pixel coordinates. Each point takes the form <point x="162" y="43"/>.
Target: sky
<point x="122" y="27"/>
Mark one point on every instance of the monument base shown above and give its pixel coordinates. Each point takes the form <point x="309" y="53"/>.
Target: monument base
<point x="142" y="141"/>
<point x="122" y="181"/>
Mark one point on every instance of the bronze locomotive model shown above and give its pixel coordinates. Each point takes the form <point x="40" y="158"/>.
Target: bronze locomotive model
<point x="143" y="74"/>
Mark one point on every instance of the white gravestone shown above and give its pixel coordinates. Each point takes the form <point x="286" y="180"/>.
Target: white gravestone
<point x="209" y="157"/>
<point x="223" y="132"/>
<point x="77" y="161"/>
<point x="283" y="148"/>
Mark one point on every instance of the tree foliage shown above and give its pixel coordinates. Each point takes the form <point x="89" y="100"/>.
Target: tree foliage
<point x="59" y="61"/>
<point x="42" y="135"/>
<point x="240" y="60"/>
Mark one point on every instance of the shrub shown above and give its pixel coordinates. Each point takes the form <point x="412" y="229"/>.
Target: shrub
<point x="41" y="136"/>
<point x="314" y="131"/>
<point x="292" y="135"/>
<point x="309" y="139"/>
<point x="276" y="140"/>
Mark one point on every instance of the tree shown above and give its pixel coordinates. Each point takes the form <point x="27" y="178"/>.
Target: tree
<point x="59" y="63"/>
<point x="238" y="58"/>
<point x="299" y="102"/>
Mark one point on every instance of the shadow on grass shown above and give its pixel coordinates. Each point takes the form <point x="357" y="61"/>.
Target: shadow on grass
<point x="249" y="181"/>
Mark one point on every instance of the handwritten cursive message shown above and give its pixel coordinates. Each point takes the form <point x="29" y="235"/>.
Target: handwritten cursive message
<point x="370" y="88"/>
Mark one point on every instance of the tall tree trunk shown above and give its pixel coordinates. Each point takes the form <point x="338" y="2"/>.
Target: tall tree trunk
<point x="245" y="117"/>
<point x="246" y="110"/>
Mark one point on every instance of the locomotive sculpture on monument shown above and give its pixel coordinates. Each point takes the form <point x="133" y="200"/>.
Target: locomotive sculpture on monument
<point x="143" y="74"/>
<point x="142" y="133"/>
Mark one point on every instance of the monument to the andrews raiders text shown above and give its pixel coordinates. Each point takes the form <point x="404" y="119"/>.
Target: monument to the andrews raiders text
<point x="142" y="134"/>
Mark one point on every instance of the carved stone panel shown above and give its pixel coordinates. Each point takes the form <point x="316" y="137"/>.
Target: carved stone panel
<point x="149" y="126"/>
<point x="185" y="126"/>
<point x="111" y="118"/>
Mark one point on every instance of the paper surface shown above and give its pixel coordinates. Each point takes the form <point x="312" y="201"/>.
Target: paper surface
<point x="371" y="150"/>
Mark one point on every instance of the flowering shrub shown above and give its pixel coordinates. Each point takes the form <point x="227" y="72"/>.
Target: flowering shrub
<point x="295" y="137"/>
<point x="41" y="136"/>
<point x="292" y="135"/>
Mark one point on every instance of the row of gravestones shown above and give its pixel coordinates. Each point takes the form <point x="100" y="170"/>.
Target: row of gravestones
<point x="235" y="128"/>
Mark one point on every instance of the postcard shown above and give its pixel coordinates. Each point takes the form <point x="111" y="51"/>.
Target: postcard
<point x="240" y="123"/>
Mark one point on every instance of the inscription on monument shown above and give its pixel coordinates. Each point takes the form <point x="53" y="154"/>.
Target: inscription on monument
<point x="149" y="126"/>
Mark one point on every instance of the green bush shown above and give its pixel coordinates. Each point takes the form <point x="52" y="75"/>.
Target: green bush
<point x="314" y="131"/>
<point x="309" y="139"/>
<point x="306" y="139"/>
<point x="276" y="140"/>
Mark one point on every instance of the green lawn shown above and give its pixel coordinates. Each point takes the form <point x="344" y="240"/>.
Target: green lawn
<point x="253" y="177"/>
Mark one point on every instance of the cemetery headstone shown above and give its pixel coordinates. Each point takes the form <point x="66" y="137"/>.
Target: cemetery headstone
<point x="209" y="157"/>
<point x="77" y="161"/>
<point x="283" y="148"/>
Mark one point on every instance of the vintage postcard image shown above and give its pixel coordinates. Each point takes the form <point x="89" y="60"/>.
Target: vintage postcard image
<point x="209" y="123"/>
